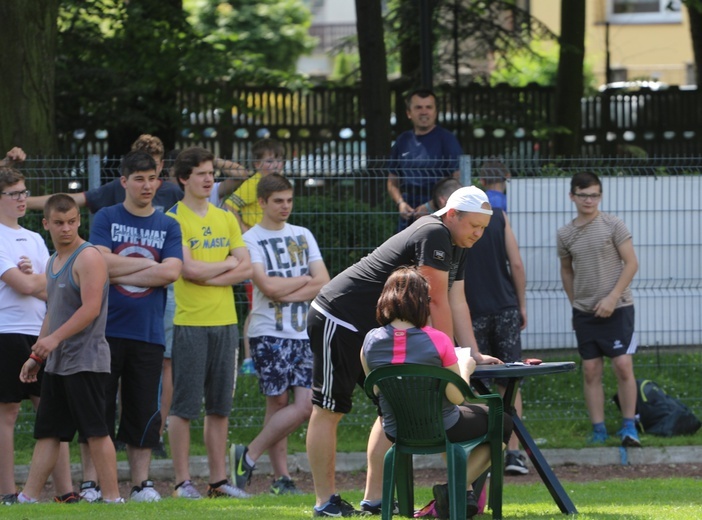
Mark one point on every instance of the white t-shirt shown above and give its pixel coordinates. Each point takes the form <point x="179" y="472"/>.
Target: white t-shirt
<point x="286" y="253"/>
<point x="214" y="195"/>
<point x="20" y="314"/>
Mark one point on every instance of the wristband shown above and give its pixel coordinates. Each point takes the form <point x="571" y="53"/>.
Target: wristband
<point x="401" y="201"/>
<point x="36" y="359"/>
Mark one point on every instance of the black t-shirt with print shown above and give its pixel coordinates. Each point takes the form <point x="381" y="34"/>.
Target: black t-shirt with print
<point x="353" y="294"/>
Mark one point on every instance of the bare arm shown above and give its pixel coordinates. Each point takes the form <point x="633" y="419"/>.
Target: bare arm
<point x="198" y="271"/>
<point x="460" y="314"/>
<point x="158" y="275"/>
<point x="242" y="271"/>
<point x="15" y="155"/>
<point x="227" y="187"/>
<point x="37" y="203"/>
<point x="464" y="368"/>
<point x="277" y="287"/>
<point x="118" y="265"/>
<point x="605" y="307"/>
<point x="516" y="267"/>
<point x="567" y="277"/>
<point x="26" y="284"/>
<point x="440" y="308"/>
<point x="90" y="272"/>
<point x="393" y="187"/>
<point x="231" y="169"/>
<point x="319" y="278"/>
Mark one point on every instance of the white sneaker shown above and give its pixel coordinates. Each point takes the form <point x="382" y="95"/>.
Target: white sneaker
<point x="187" y="490"/>
<point x="90" y="491"/>
<point x="145" y="492"/>
<point x="118" y="500"/>
<point x="226" y="490"/>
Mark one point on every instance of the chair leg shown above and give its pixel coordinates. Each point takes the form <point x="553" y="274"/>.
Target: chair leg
<point x="496" y="480"/>
<point x="404" y="478"/>
<point x="388" y="483"/>
<point x="457" y="461"/>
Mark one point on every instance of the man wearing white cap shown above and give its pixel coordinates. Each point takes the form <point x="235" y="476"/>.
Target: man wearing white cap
<point x="344" y="311"/>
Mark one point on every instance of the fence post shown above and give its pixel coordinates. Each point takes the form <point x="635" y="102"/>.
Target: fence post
<point x="93" y="175"/>
<point x="465" y="166"/>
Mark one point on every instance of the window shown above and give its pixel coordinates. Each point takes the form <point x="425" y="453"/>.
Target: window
<point x="644" y="11"/>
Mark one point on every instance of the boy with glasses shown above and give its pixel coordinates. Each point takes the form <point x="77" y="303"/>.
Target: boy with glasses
<point x="598" y="262"/>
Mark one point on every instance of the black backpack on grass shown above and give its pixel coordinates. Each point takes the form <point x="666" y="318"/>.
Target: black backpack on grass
<point x="659" y="414"/>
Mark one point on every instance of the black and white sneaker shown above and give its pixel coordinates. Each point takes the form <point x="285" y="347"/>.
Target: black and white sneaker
<point x="515" y="464"/>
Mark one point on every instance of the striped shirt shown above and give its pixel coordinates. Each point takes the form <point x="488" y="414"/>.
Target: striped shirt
<point x="596" y="261"/>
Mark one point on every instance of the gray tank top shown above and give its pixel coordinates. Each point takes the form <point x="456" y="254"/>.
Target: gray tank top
<point x="88" y="350"/>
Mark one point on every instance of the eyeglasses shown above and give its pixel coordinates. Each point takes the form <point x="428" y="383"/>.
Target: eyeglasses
<point x="585" y="196"/>
<point x="16" y="195"/>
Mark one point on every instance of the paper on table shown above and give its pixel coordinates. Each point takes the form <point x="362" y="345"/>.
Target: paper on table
<point x="462" y="353"/>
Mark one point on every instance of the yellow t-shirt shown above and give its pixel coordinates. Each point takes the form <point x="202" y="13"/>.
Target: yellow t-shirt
<point x="244" y="201"/>
<point x="210" y="239"/>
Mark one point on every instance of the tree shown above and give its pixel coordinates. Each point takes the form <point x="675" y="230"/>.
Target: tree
<point x="268" y="34"/>
<point x="375" y="91"/>
<point x="694" y="9"/>
<point x="569" y="84"/>
<point x="27" y="46"/>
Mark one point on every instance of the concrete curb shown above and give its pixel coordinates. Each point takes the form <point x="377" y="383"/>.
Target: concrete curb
<point x="163" y="469"/>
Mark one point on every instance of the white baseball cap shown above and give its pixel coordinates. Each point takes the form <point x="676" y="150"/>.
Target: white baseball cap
<point x="468" y="198"/>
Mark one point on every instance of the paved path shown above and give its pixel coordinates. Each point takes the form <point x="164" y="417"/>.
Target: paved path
<point x="163" y="469"/>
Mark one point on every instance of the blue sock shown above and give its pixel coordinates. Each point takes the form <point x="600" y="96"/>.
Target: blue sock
<point x="599" y="427"/>
<point x="372" y="503"/>
<point x="628" y="423"/>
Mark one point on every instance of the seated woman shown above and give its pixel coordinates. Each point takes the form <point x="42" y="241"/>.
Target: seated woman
<point x="403" y="312"/>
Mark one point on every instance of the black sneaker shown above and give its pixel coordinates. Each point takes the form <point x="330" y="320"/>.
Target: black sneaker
<point x="68" y="498"/>
<point x="8" y="500"/>
<point x="471" y="504"/>
<point x="337" y="507"/>
<point x="515" y="464"/>
<point x="377" y="510"/>
<point x="441" y="500"/>
<point x="240" y="470"/>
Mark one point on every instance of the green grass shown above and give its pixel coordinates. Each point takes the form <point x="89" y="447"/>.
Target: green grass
<point x="554" y="409"/>
<point x="672" y="499"/>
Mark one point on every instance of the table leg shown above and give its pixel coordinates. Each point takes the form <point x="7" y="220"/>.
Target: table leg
<point x="542" y="466"/>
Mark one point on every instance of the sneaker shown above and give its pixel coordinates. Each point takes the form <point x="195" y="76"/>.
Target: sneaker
<point x="90" y="491"/>
<point x="377" y="510"/>
<point x="8" y="500"/>
<point x="629" y="437"/>
<point x="160" y="452"/>
<point x="338" y="507"/>
<point x="247" y="368"/>
<point x="515" y="464"/>
<point x="118" y="500"/>
<point x="471" y="504"/>
<point x="226" y="490"/>
<point x="241" y="471"/>
<point x="598" y="437"/>
<point x="69" y="498"/>
<point x="441" y="500"/>
<point x="145" y="492"/>
<point x="186" y="489"/>
<point x="284" y="486"/>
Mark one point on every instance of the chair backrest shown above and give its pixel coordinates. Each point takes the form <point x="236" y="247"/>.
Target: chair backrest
<point x="416" y="394"/>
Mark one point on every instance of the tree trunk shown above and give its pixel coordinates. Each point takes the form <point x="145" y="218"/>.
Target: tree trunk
<point x="696" y="34"/>
<point x="375" y="91"/>
<point x="569" y="82"/>
<point x="27" y="50"/>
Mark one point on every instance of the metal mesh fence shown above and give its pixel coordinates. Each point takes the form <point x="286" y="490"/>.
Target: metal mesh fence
<point x="343" y="201"/>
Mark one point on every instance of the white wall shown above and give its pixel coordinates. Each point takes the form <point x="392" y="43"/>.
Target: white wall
<point x="664" y="216"/>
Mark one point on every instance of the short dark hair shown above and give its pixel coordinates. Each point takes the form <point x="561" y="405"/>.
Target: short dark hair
<point x="259" y="148"/>
<point x="420" y="92"/>
<point x="150" y="144"/>
<point x="492" y="171"/>
<point x="405" y="296"/>
<point x="191" y="158"/>
<point x="60" y="202"/>
<point x="137" y="161"/>
<point x="443" y="189"/>
<point x="9" y="177"/>
<point x="270" y="184"/>
<point x="584" y="180"/>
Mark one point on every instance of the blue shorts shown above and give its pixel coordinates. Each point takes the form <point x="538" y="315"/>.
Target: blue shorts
<point x="281" y="363"/>
<point x="605" y="337"/>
